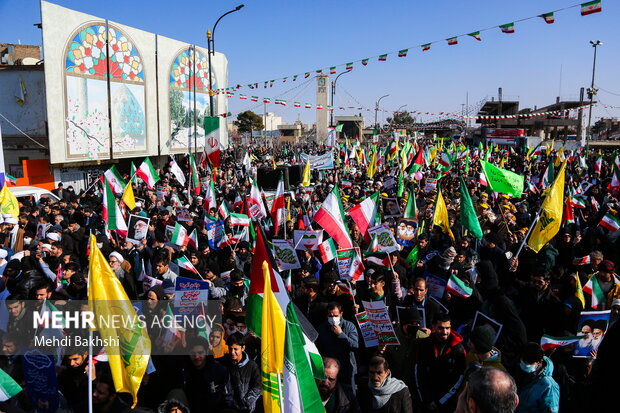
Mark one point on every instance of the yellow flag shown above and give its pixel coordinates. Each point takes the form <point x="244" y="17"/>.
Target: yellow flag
<point x="273" y="330"/>
<point x="441" y="215"/>
<point x="273" y="162"/>
<point x="372" y="166"/>
<point x="579" y="291"/>
<point x="288" y="208"/>
<point x="9" y="202"/>
<point x="306" y="178"/>
<point x="128" y="197"/>
<point x="550" y="147"/>
<point x="130" y="346"/>
<point x="550" y="214"/>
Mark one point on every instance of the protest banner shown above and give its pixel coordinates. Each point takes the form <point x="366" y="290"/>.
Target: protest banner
<point x="285" y="255"/>
<point x="350" y="264"/>
<point x="406" y="232"/>
<point x="215" y="234"/>
<point x="431" y="185"/>
<point x="381" y="323"/>
<point x="436" y="286"/>
<point x="41" y="383"/>
<point x="385" y="238"/>
<point x="390" y="207"/>
<point x="503" y="181"/>
<point x="182" y="214"/>
<point x="368" y="333"/>
<point x="320" y="162"/>
<point x="189" y="294"/>
<point x="138" y="228"/>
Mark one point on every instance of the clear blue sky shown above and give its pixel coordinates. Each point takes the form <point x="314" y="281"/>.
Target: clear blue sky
<point x="273" y="39"/>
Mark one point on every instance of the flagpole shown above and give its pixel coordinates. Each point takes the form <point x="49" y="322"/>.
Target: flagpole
<point x="90" y="372"/>
<point x="527" y="234"/>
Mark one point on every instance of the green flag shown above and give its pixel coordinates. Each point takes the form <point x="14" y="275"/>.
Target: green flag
<point x="412" y="258"/>
<point x="411" y="211"/>
<point x="469" y="219"/>
<point x="503" y="181"/>
<point x="339" y="127"/>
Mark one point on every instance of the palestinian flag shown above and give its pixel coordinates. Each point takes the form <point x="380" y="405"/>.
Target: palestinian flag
<point x="186" y="264"/>
<point x="549" y="17"/>
<point x="591" y="7"/>
<point x="327" y="249"/>
<point x="331" y="217"/>
<point x="507" y="28"/>
<point x="402" y="53"/>
<point x="418" y="163"/>
<point x="475" y="35"/>
<point x="458" y="287"/>
<point x="383" y="57"/>
<point x="8" y="386"/>
<point x="148" y="173"/>
<point x="254" y="98"/>
<point x="115" y="180"/>
<point x="452" y="40"/>
<point x="349" y="66"/>
<point x="193" y="172"/>
<point x="381" y="259"/>
<point x="364" y="214"/>
<point x="610" y="222"/>
<point x="426" y="47"/>
<point x="179" y="236"/>
<point x="550" y="343"/>
<point x="594" y="289"/>
<point x="111" y="212"/>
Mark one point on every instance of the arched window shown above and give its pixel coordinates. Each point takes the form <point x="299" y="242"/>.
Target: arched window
<point x="89" y="104"/>
<point x="189" y="98"/>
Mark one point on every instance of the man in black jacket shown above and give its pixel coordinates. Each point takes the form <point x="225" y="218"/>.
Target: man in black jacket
<point x="245" y="377"/>
<point x="335" y="397"/>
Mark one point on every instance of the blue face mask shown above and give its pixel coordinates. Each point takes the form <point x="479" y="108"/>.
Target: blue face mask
<point x="528" y="368"/>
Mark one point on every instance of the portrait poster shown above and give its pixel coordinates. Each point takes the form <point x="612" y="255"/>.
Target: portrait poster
<point x="406" y="232"/>
<point x="390" y="207"/>
<point x="422" y="311"/>
<point x="137" y="229"/>
<point x="436" y="286"/>
<point x="182" y="214"/>
<point x="592" y="328"/>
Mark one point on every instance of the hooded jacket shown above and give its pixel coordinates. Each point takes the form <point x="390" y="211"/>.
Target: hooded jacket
<point x="538" y="392"/>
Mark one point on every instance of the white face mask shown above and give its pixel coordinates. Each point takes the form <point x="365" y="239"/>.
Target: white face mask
<point x="333" y="320"/>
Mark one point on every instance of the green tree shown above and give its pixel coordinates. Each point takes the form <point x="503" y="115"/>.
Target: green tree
<point x="248" y="121"/>
<point x="401" y="119"/>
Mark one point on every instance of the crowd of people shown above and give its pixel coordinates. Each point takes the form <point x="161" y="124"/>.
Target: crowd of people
<point x="441" y="362"/>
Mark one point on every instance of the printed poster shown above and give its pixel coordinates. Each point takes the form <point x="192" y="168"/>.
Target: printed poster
<point x="306" y="239"/>
<point x="386" y="240"/>
<point x="592" y="328"/>
<point x="436" y="286"/>
<point x="368" y="333"/>
<point x="285" y="255"/>
<point x="189" y="294"/>
<point x="378" y="315"/>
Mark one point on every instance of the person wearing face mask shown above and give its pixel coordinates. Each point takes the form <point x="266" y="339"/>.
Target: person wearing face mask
<point x="537" y="390"/>
<point x="409" y="335"/>
<point x="338" y="339"/>
<point x="384" y="393"/>
<point x="237" y="288"/>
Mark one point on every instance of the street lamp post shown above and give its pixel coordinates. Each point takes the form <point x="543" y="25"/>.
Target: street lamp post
<point x="377" y="110"/>
<point x="331" y="116"/>
<point x="211" y="49"/>
<point x="592" y="91"/>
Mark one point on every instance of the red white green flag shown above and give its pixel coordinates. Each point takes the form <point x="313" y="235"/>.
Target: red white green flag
<point x="331" y="217"/>
<point x="426" y="47"/>
<point x="569" y="216"/>
<point x="349" y="66"/>
<point x="115" y="180"/>
<point x="610" y="222"/>
<point x="223" y="210"/>
<point x="186" y="264"/>
<point x="364" y="215"/>
<point x="241" y="220"/>
<point x="475" y="35"/>
<point x="327" y="249"/>
<point x="594" y="289"/>
<point x="210" y="197"/>
<point x="507" y="28"/>
<point x="179" y="236"/>
<point x="111" y="212"/>
<point x="549" y="17"/>
<point x="381" y="259"/>
<point x="452" y="40"/>
<point x="365" y="62"/>
<point x="278" y="208"/>
<point x="403" y="53"/>
<point x="193" y="239"/>
<point x="193" y="169"/>
<point x="308" y="106"/>
<point x="591" y="7"/>
<point x="148" y="173"/>
<point x="549" y="342"/>
<point x="255" y="203"/>
<point x="458" y="287"/>
<point x="297" y="104"/>
<point x="615" y="179"/>
<point x="332" y="70"/>
<point x="254" y="98"/>
<point x="212" y="139"/>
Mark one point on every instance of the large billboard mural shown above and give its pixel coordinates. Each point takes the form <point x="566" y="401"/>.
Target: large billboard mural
<point x="114" y="91"/>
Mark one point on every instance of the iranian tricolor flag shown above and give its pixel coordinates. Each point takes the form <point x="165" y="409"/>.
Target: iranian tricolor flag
<point x="278" y="208"/>
<point x="383" y="58"/>
<point x="615" y="179"/>
<point x="549" y="342"/>
<point x="578" y="202"/>
<point x="254" y="98"/>
<point x="255" y="203"/>
<point x="610" y="222"/>
<point x="223" y="210"/>
<point x="241" y="220"/>
<point x="148" y="173"/>
<point x="297" y="104"/>
<point x="193" y="171"/>
<point x="179" y="236"/>
<point x="8" y="386"/>
<point x="475" y="35"/>
<point x="331" y="217"/>
<point x="426" y="47"/>
<point x="365" y="62"/>
<point x="452" y="40"/>
<point x="111" y="212"/>
<point x="349" y="66"/>
<point x="193" y="239"/>
<point x="364" y="215"/>
<point x="186" y="264"/>
<point x="507" y="28"/>
<point x="403" y="53"/>
<point x="548" y="177"/>
<point x="598" y="164"/>
<point x="308" y="106"/>
<point x="549" y="17"/>
<point x="115" y="180"/>
<point x="327" y="249"/>
<point x="210" y="196"/>
<point x="357" y="266"/>
<point x="458" y="287"/>
<point x="212" y="139"/>
<point x="594" y="289"/>
<point x="446" y="161"/>
<point x="591" y="7"/>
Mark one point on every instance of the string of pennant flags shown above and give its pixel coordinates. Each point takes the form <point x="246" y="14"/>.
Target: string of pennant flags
<point x="587" y="8"/>
<point x="298" y="104"/>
